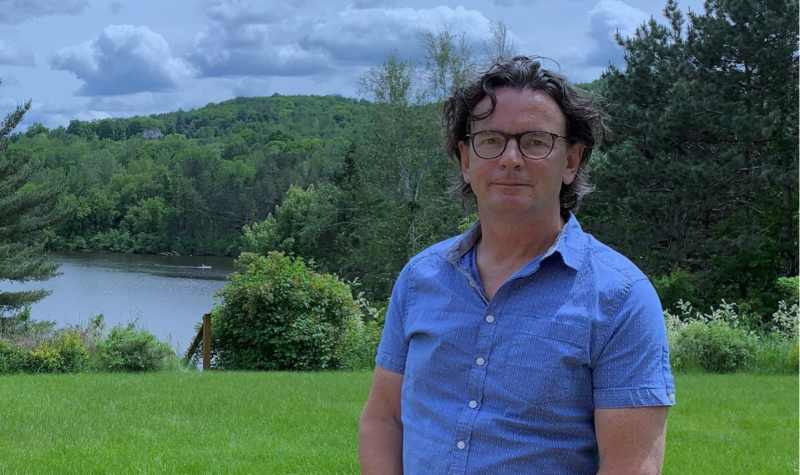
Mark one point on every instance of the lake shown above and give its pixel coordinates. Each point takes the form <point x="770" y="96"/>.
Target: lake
<point x="166" y="295"/>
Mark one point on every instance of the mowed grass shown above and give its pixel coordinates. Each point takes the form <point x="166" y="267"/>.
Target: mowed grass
<point x="306" y="423"/>
<point x="733" y="424"/>
<point x="181" y="423"/>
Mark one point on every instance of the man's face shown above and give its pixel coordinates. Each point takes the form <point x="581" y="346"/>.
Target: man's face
<point x="512" y="184"/>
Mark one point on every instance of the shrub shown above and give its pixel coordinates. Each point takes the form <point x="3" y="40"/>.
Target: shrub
<point x="788" y="289"/>
<point x="674" y="288"/>
<point x="714" y="346"/>
<point x="359" y="345"/>
<point x="13" y="358"/>
<point x="66" y="353"/>
<point x="277" y="314"/>
<point x="775" y="354"/>
<point x="131" y="349"/>
<point x="45" y="359"/>
<point x="784" y="322"/>
<point x="74" y="353"/>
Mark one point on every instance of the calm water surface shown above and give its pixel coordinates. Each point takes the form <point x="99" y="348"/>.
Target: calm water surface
<point x="168" y="295"/>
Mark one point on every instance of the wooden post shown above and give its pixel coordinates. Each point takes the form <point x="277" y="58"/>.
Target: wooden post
<point x="206" y="342"/>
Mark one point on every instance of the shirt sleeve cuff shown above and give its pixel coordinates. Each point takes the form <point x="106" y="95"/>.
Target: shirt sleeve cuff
<point x="644" y="397"/>
<point x="395" y="364"/>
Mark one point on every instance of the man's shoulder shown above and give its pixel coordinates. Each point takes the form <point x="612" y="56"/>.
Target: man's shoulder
<point x="433" y="255"/>
<point x="431" y="263"/>
<point x="611" y="264"/>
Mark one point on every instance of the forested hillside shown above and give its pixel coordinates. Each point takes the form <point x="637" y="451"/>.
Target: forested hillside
<point x="200" y="177"/>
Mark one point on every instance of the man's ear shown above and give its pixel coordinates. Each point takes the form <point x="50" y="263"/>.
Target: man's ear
<point x="573" y="162"/>
<point x="463" y="149"/>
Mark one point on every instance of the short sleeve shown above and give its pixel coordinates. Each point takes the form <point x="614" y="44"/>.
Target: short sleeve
<point x="633" y="368"/>
<point x="393" y="348"/>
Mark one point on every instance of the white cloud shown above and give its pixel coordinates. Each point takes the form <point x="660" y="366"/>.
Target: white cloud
<point x="50" y="115"/>
<point x="364" y="37"/>
<point x="22" y="56"/>
<point x="124" y="59"/>
<point x="54" y="114"/>
<point x="246" y="12"/>
<point x="606" y="18"/>
<point x="17" y="11"/>
<point x="247" y="39"/>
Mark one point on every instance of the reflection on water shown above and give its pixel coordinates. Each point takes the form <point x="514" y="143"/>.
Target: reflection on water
<point x="166" y="294"/>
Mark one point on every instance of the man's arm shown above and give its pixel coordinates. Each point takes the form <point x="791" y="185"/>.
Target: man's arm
<point x="380" y="435"/>
<point x="631" y="440"/>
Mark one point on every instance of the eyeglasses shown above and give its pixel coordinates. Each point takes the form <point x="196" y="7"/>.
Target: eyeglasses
<point x="534" y="145"/>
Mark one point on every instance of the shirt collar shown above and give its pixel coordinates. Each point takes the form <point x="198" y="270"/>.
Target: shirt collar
<point x="570" y="244"/>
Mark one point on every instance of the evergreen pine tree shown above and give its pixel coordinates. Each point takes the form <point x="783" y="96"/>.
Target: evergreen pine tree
<point x="701" y="173"/>
<point x="25" y="210"/>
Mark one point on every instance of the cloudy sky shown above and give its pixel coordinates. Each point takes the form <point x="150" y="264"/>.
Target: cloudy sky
<point x="91" y="59"/>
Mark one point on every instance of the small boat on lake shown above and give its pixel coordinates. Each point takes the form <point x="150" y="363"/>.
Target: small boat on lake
<point x="203" y="266"/>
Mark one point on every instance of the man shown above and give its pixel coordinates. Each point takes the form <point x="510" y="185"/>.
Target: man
<point x="524" y="345"/>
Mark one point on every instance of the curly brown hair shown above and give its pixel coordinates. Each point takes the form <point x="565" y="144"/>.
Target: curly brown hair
<point x="586" y="122"/>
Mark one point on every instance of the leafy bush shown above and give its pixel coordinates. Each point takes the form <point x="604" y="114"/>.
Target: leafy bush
<point x="789" y="289"/>
<point x="673" y="288"/>
<point x="713" y="346"/>
<point x="785" y="321"/>
<point x="64" y="354"/>
<point x="13" y="358"/>
<point x="732" y="338"/>
<point x="775" y="354"/>
<point x="359" y="345"/>
<point x="37" y="347"/>
<point x="132" y="349"/>
<point x="73" y="352"/>
<point x="45" y="359"/>
<point x="277" y="314"/>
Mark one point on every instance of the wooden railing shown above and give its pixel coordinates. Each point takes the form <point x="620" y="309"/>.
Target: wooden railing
<point x="203" y="336"/>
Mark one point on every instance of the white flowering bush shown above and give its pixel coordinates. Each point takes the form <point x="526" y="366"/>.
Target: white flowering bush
<point x="785" y="321"/>
<point x="727" y="339"/>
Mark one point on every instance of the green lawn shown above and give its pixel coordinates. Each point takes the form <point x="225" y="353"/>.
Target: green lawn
<point x="242" y="423"/>
<point x="733" y="424"/>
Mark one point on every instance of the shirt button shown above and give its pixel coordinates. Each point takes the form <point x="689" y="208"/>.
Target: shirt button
<point x="461" y="445"/>
<point x="473" y="404"/>
<point x="480" y="361"/>
<point x="490" y="318"/>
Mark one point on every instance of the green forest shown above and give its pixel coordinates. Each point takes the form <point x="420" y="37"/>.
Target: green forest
<point x="697" y="184"/>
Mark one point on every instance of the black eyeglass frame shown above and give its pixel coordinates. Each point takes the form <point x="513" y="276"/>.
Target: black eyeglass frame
<point x="517" y="137"/>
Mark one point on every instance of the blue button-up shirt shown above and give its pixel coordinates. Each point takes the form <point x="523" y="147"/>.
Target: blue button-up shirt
<point x="510" y="385"/>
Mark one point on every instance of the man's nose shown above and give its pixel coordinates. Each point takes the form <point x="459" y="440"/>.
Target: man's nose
<point x="511" y="156"/>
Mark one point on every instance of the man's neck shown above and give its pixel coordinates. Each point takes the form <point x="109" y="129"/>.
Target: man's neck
<point x="506" y="240"/>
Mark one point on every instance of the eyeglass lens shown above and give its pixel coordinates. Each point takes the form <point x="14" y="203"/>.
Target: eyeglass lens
<point x="532" y="145"/>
